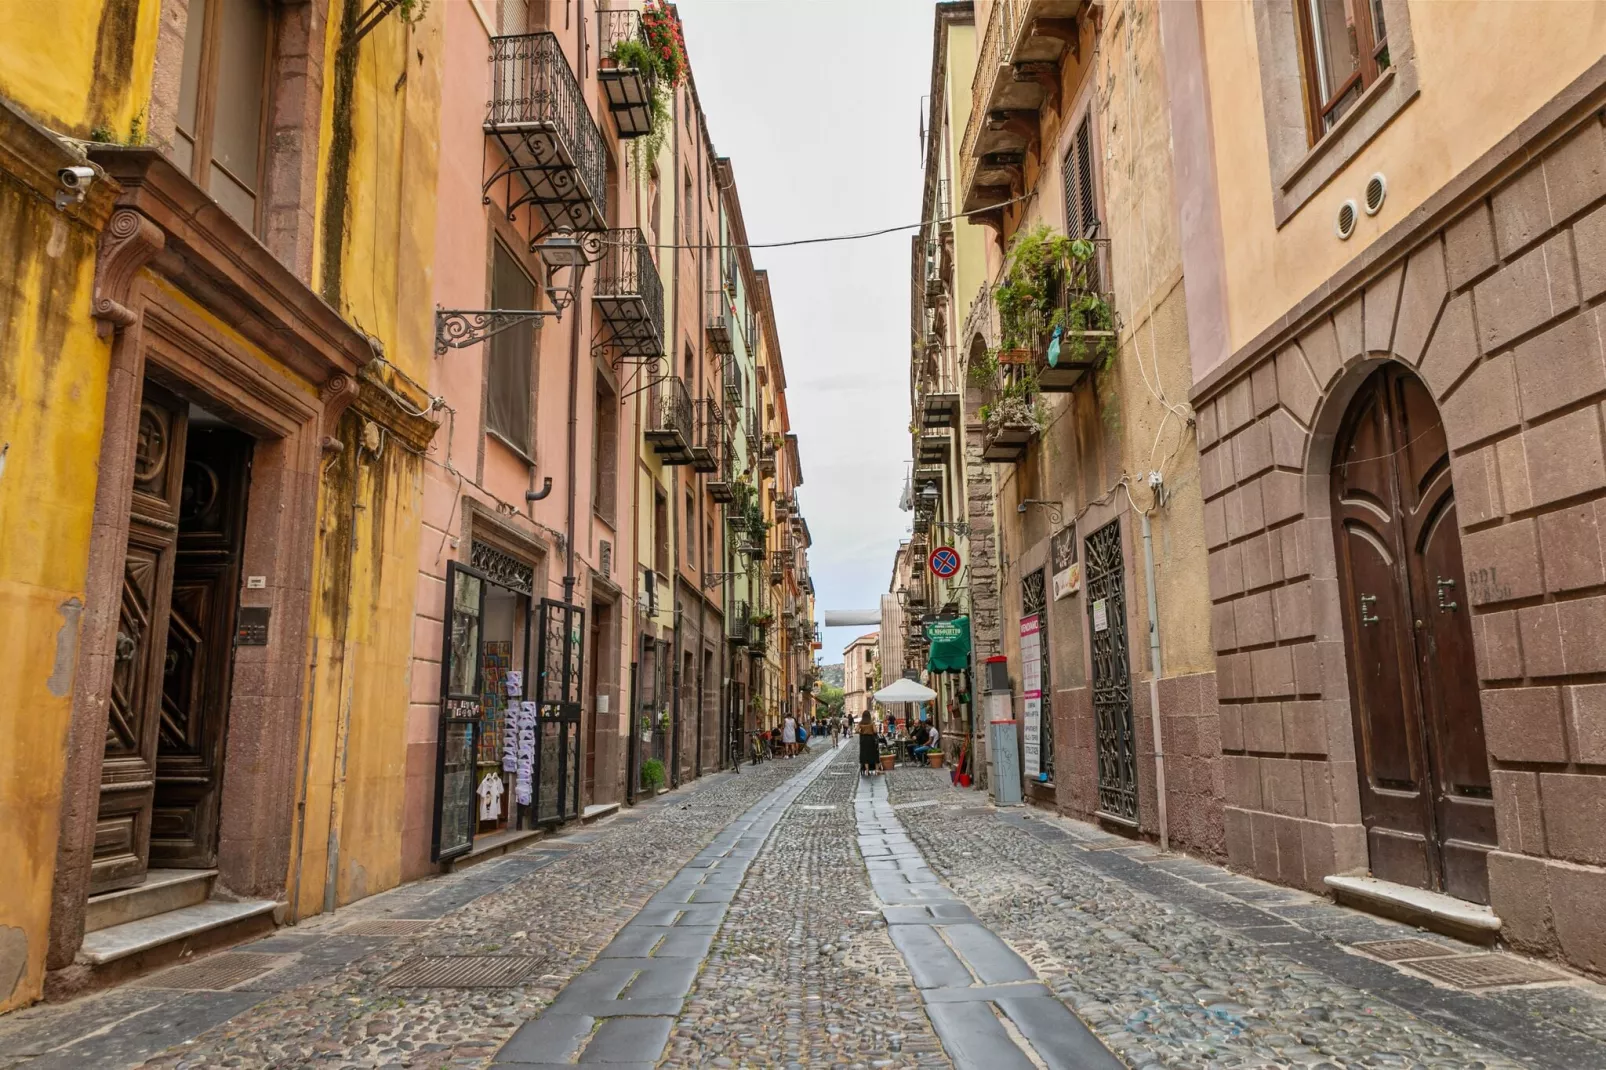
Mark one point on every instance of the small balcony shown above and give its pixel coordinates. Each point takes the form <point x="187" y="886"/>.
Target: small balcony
<point x="670" y="423"/>
<point x="737" y="628"/>
<point x="719" y="480"/>
<point x="933" y="447"/>
<point x="717" y="317"/>
<point x="733" y="386"/>
<point x="780" y="562"/>
<point x="629" y="295"/>
<point x="626" y="87"/>
<point x="710" y="429"/>
<point x="939" y="410"/>
<point x="766" y="457"/>
<point x="1005" y="438"/>
<point x="785" y="506"/>
<point x="552" y="152"/>
<point x="1017" y="74"/>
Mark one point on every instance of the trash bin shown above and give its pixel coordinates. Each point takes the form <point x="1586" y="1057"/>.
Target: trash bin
<point x="1004" y="762"/>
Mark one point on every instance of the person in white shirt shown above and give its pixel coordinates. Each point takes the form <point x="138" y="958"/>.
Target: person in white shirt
<point x="933" y="742"/>
<point x="789" y="735"/>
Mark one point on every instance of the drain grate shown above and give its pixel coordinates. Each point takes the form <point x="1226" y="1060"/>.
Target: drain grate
<point x="215" y="973"/>
<point x="385" y="927"/>
<point x="465" y="971"/>
<point x="1401" y="950"/>
<point x="1484" y="971"/>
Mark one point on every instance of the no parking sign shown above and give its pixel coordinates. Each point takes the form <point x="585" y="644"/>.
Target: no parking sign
<point x="944" y="562"/>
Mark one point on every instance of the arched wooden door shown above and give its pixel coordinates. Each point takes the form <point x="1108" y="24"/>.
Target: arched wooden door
<point x="1424" y="771"/>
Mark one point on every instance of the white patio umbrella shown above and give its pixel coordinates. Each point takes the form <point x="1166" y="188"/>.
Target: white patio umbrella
<point x="905" y="691"/>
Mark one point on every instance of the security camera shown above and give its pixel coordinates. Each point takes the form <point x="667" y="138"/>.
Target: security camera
<point x="74" y="183"/>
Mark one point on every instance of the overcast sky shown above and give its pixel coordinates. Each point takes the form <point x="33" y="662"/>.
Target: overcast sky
<point x="818" y="106"/>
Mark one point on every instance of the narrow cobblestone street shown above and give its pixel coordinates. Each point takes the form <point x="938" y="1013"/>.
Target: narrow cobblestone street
<point x="811" y="917"/>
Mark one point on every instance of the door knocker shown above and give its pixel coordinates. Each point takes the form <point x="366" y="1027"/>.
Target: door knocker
<point x="126" y="645"/>
<point x="1368" y="618"/>
<point x="1446" y="607"/>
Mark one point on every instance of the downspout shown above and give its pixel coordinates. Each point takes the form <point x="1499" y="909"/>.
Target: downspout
<point x="1154" y="682"/>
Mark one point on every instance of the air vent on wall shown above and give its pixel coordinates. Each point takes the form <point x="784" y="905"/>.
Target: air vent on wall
<point x="1344" y="225"/>
<point x="1377" y="187"/>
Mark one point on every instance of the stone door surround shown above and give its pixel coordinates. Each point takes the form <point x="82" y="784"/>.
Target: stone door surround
<point x="191" y="300"/>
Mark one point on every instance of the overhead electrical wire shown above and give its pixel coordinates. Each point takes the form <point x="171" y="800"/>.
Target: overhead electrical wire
<point x="856" y="236"/>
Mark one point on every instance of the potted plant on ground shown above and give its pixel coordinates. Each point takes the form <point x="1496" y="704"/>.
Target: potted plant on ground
<point x="652" y="775"/>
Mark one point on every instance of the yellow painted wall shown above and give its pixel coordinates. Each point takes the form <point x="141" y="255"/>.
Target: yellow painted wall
<point x="1483" y="68"/>
<point x="80" y="66"/>
<point x="52" y="396"/>
<point x="364" y="602"/>
<point x="970" y="239"/>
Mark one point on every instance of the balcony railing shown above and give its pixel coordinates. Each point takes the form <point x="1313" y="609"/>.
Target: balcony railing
<point x="710" y="430"/>
<point x="717" y="316"/>
<point x="780" y="561"/>
<point x="1018" y="71"/>
<point x="629" y="294"/>
<point x="670" y="423"/>
<point x="737" y="628"/>
<point x="733" y="385"/>
<point x="628" y="90"/>
<point x="547" y="136"/>
<point x="719" y="480"/>
<point x="933" y="447"/>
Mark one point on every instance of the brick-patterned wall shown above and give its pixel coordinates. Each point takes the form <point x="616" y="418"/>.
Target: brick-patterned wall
<point x="1500" y="312"/>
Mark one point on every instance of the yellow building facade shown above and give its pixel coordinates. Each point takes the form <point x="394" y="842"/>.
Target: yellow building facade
<point x="213" y="317"/>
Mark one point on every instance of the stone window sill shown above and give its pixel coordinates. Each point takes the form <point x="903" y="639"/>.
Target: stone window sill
<point x="517" y="451"/>
<point x="1376" y="108"/>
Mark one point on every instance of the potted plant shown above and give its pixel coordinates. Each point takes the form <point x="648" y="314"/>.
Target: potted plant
<point x="887" y="758"/>
<point x="652" y="775"/>
<point x="934" y="759"/>
<point x="1051" y="314"/>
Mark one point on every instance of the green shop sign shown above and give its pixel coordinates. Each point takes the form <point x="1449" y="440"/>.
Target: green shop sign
<point x="950" y="645"/>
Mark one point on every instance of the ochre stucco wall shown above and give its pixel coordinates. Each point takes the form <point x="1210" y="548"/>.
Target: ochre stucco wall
<point x="81" y="67"/>
<point x="53" y="371"/>
<point x="1483" y="68"/>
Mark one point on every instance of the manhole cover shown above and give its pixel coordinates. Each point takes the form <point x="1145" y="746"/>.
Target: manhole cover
<point x="1401" y="950"/>
<point x="465" y="971"/>
<point x="1484" y="971"/>
<point x="384" y="927"/>
<point x="217" y="972"/>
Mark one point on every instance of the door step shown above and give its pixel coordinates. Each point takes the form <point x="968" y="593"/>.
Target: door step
<point x="162" y="938"/>
<point x="598" y="811"/>
<point x="495" y="845"/>
<point x="1417" y="906"/>
<point x="163" y="890"/>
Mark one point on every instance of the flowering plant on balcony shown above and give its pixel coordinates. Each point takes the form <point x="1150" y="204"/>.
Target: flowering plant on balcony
<point x="665" y="40"/>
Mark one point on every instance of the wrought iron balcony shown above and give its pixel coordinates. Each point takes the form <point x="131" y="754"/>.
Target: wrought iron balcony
<point x="629" y="294"/>
<point x="548" y="140"/>
<point x="705" y="453"/>
<point x="628" y="90"/>
<point x="780" y="562"/>
<point x="1005" y="441"/>
<point x="766" y="457"/>
<point x="933" y="447"/>
<point x="719" y="481"/>
<point x="1018" y="72"/>
<point x="670" y="424"/>
<point x="939" y="410"/>
<point x="737" y="628"/>
<point x="717" y="315"/>
<point x="733" y="385"/>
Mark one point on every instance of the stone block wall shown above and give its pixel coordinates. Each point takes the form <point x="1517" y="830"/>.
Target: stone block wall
<point x="1495" y="293"/>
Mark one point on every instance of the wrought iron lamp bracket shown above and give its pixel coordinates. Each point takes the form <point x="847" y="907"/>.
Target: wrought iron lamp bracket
<point x="459" y="327"/>
<point x="713" y="579"/>
<point x="1056" y="514"/>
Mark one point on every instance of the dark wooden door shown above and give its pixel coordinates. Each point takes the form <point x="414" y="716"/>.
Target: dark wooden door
<point x="128" y="771"/>
<point x="1424" y="772"/>
<point x="200" y="648"/>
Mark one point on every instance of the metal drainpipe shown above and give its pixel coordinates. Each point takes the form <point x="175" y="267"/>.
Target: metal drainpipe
<point x="1154" y="682"/>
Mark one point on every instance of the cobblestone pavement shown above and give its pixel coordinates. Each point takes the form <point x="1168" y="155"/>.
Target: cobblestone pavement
<point x="744" y="921"/>
<point x="1177" y="963"/>
<point x="324" y="1004"/>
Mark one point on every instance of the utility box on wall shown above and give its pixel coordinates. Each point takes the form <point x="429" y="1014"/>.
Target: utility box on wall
<point x="1003" y="772"/>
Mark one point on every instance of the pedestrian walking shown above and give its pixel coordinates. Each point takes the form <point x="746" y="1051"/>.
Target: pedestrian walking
<point x="789" y="735"/>
<point x="869" y="746"/>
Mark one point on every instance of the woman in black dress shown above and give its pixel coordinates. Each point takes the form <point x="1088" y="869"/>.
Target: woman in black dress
<point x="869" y="747"/>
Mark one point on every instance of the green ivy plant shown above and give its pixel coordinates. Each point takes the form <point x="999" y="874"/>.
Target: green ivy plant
<point x="652" y="774"/>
